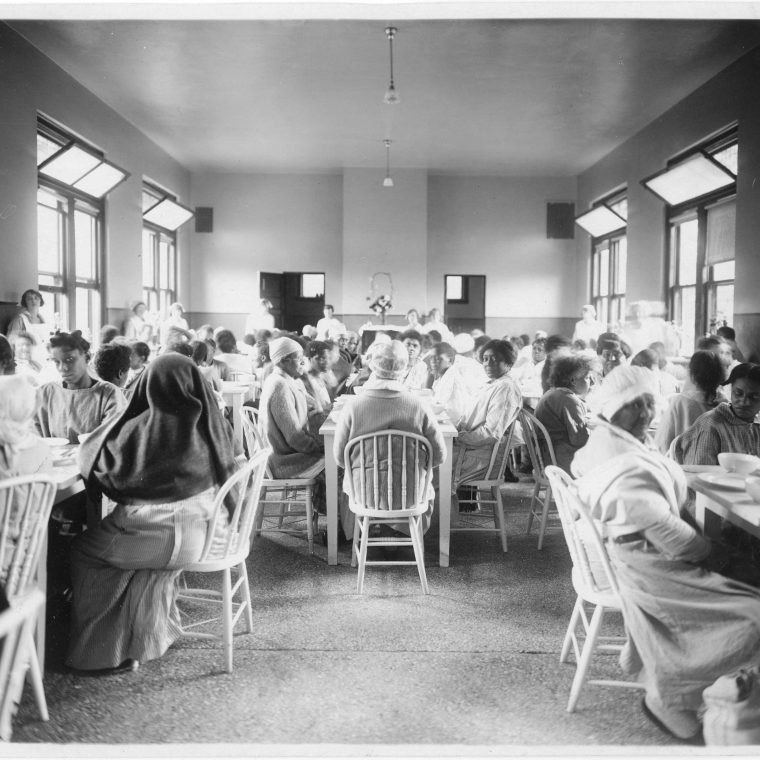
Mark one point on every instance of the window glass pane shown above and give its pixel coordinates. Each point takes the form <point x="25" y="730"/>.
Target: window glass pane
<point x="620" y="207"/>
<point x="604" y="272"/>
<point x="82" y="317"/>
<point x="148" y="276"/>
<point x="729" y="157"/>
<point x="85" y="240"/>
<point x="686" y="310"/>
<point x="172" y="254"/>
<point x="687" y="252"/>
<point x="45" y="148"/>
<point x="595" y="274"/>
<point x="603" y="310"/>
<point x="149" y="199"/>
<point x="454" y="291"/>
<point x="312" y="285"/>
<point x="70" y="165"/>
<point x="50" y="239"/>
<point x="163" y="265"/>
<point x="100" y="180"/>
<point x="621" y="262"/>
<point x="723" y="271"/>
<point x="724" y="304"/>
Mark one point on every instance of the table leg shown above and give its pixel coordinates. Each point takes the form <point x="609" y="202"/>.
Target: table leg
<point x="444" y="504"/>
<point x="331" y="497"/>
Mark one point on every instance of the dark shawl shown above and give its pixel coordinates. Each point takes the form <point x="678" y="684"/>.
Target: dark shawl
<point x="170" y="443"/>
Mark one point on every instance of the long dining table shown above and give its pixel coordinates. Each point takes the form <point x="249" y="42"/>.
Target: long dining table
<point x="332" y="486"/>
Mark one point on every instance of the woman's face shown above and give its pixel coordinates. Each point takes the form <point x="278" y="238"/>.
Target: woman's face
<point x="413" y="317"/>
<point x="32" y="301"/>
<point x="581" y="382"/>
<point x="413" y="349"/>
<point x="71" y="365"/>
<point x="636" y="416"/>
<point x="140" y="310"/>
<point x="538" y="352"/>
<point x="494" y="364"/>
<point x="745" y="398"/>
<point x="351" y="344"/>
<point x="440" y="363"/>
<point x="320" y="362"/>
<point x="293" y="364"/>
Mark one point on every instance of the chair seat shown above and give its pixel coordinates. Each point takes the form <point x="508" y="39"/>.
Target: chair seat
<point x="389" y="515"/>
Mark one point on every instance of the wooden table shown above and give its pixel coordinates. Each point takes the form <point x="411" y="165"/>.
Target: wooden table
<point x="327" y="431"/>
<point x="714" y="504"/>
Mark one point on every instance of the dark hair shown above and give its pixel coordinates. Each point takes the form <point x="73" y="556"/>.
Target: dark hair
<point x="316" y="347"/>
<point x="706" y="372"/>
<point x="540" y="343"/>
<point x="727" y="332"/>
<point x="605" y="340"/>
<point x="553" y="342"/>
<point x="328" y="306"/>
<point x="141" y="349"/>
<point x="709" y="342"/>
<point x="415" y="311"/>
<point x="225" y="340"/>
<point x="139" y="303"/>
<point x="747" y="369"/>
<point x="7" y="364"/>
<point x="249" y="339"/>
<point x="434" y="336"/>
<point x="180" y="348"/>
<point x="108" y="333"/>
<point x="480" y="341"/>
<point x="29" y="292"/>
<point x="445" y="349"/>
<point x="646" y="358"/>
<point x="501" y="348"/>
<point x="200" y="351"/>
<point x="525" y="338"/>
<point x="70" y="341"/>
<point x="564" y="367"/>
<point x="111" y="360"/>
<point x="410" y="335"/>
<point x="579" y="344"/>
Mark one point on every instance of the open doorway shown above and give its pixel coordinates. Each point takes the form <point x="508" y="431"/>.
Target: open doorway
<point x="464" y="302"/>
<point x="298" y="298"/>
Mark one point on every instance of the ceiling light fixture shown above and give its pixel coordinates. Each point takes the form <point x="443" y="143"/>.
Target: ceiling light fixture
<point x="388" y="181"/>
<point x="391" y="98"/>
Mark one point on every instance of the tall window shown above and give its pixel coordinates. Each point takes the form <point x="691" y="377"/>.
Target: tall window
<point x="609" y="259"/>
<point x="701" y="253"/>
<point x="159" y="258"/>
<point x="73" y="178"/>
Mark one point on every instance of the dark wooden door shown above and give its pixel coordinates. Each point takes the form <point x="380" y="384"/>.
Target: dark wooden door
<point x="271" y="286"/>
<point x="300" y="307"/>
<point x="464" y="302"/>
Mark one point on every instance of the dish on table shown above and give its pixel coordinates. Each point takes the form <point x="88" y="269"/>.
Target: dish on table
<point x="728" y="480"/>
<point x="57" y="442"/>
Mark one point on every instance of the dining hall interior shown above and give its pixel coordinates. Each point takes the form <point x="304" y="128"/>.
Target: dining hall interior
<point x="505" y="169"/>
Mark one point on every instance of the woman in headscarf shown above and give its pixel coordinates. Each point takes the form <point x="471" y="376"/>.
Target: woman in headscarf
<point x="161" y="461"/>
<point x="730" y="426"/>
<point x="686" y="625"/>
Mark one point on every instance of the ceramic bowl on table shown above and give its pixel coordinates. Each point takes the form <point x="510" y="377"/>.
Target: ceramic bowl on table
<point x="741" y="464"/>
<point x="753" y="488"/>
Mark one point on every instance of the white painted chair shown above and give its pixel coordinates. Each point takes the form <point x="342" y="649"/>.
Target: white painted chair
<point x="17" y="642"/>
<point x="541" y="453"/>
<point x="285" y="502"/>
<point x="395" y="473"/>
<point x="595" y="585"/>
<point x="225" y="550"/>
<point x="486" y="503"/>
<point x="25" y="506"/>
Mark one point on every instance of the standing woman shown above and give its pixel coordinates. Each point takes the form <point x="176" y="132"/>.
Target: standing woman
<point x="137" y="328"/>
<point x="81" y="402"/>
<point x="162" y="461"/>
<point x="29" y="317"/>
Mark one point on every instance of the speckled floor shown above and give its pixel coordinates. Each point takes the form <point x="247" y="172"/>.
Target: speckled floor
<point x="471" y="667"/>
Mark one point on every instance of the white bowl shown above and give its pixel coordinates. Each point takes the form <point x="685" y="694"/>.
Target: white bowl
<point x="57" y="442"/>
<point x="742" y="464"/>
<point x="753" y="488"/>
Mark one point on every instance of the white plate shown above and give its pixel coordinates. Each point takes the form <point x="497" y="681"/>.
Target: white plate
<point x="730" y="480"/>
<point x="56" y="442"/>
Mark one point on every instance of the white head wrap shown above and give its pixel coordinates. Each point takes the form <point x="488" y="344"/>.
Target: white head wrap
<point x="464" y="343"/>
<point x="279" y="348"/>
<point x="389" y="360"/>
<point x="18" y="403"/>
<point x="620" y="387"/>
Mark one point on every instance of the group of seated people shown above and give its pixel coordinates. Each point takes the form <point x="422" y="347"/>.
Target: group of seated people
<point x="157" y="444"/>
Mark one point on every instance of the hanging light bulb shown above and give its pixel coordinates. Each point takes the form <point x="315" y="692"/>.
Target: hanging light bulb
<point x="388" y="181"/>
<point x="391" y="97"/>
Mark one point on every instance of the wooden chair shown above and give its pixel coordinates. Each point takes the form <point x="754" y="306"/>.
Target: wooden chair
<point x="395" y="473"/>
<point x="225" y="550"/>
<point x="541" y="453"/>
<point x="595" y="585"/>
<point x="486" y="501"/>
<point x="286" y="501"/>
<point x="25" y="506"/>
<point x="17" y="642"/>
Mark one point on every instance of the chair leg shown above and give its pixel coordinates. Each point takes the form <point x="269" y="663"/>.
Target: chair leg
<point x="355" y="541"/>
<point x="362" y="556"/>
<point x="500" y="520"/>
<point x="245" y="592"/>
<point x="589" y="645"/>
<point x="568" y="640"/>
<point x="544" y="516"/>
<point x="260" y="513"/>
<point x="533" y="501"/>
<point x="309" y="504"/>
<point x="35" y="675"/>
<point x="418" y="542"/>
<point x="227" y="618"/>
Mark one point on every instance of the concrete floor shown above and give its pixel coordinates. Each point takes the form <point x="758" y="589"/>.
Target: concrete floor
<point x="470" y="669"/>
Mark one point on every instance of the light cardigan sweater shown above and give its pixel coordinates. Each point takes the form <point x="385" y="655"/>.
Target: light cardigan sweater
<point x="283" y="410"/>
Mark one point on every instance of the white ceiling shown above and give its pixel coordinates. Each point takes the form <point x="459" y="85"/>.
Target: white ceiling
<point x="514" y="97"/>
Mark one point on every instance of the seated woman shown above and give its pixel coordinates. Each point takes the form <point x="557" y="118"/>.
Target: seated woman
<point x="296" y="452"/>
<point x="562" y="410"/>
<point x="449" y="387"/>
<point x="416" y="376"/>
<point x="229" y="355"/>
<point x="490" y="413"/>
<point x="138" y="361"/>
<point x="24" y="348"/>
<point x="81" y="402"/>
<point x="162" y="461"/>
<point x="22" y="451"/>
<point x="385" y="404"/>
<point x="137" y="327"/>
<point x="730" y="426"/>
<point x="29" y="319"/>
<point x="683" y="409"/>
<point x="111" y="362"/>
<point x="317" y="395"/>
<point x="686" y="625"/>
